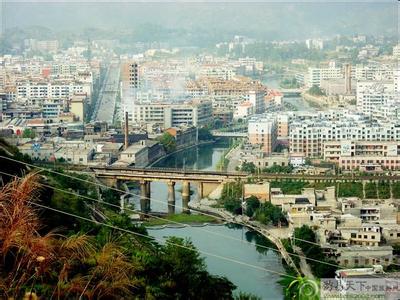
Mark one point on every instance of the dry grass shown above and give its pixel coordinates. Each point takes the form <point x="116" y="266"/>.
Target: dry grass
<point x="28" y="258"/>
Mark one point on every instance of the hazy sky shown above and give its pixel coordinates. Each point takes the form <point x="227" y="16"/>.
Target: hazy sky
<point x="283" y="19"/>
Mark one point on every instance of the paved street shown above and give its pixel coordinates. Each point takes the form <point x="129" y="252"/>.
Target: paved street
<point x="304" y="266"/>
<point x="233" y="156"/>
<point x="105" y="105"/>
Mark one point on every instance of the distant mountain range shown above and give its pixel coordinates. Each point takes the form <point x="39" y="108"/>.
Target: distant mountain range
<point x="269" y="20"/>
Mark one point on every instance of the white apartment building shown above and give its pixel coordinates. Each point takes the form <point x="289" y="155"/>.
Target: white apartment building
<point x="46" y="46"/>
<point x="373" y="71"/>
<point x="52" y="108"/>
<point x="192" y="113"/>
<point x="315" y="44"/>
<point x="314" y="76"/>
<point x="238" y="89"/>
<point x="216" y="71"/>
<point x="372" y="94"/>
<point x="26" y="90"/>
<point x="363" y="155"/>
<point x="308" y="134"/>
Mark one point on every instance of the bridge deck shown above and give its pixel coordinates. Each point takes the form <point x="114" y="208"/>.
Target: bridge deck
<point x="165" y="174"/>
<point x="218" y="176"/>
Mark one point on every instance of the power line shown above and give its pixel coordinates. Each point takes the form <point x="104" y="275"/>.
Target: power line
<point x="163" y="202"/>
<point x="175" y="222"/>
<point x="160" y="240"/>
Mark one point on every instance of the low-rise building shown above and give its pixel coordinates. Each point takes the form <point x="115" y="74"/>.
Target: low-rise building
<point x="363" y="155"/>
<point x="141" y="154"/>
<point x="259" y="190"/>
<point x="354" y="256"/>
<point x="38" y="150"/>
<point x="136" y="154"/>
<point x="184" y="136"/>
<point x="75" y="155"/>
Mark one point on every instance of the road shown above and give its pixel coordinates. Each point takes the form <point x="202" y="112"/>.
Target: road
<point x="304" y="266"/>
<point x="106" y="104"/>
<point x="234" y="159"/>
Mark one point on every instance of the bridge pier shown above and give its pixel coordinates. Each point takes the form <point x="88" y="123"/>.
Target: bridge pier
<point x="171" y="197"/>
<point x="185" y="196"/>
<point x="364" y="183"/>
<point x="148" y="195"/>
<point x="122" y="198"/>
<point x="144" y="196"/>
<point x="200" y="193"/>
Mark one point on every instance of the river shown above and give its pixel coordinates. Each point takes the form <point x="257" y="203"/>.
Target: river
<point x="298" y="102"/>
<point x="246" y="278"/>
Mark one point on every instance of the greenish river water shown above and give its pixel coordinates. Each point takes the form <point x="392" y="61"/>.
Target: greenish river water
<point x="246" y="278"/>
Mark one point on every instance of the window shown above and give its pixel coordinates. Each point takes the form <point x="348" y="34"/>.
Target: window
<point x="353" y="235"/>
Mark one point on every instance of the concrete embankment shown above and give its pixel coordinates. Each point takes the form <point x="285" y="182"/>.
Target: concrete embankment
<point x="315" y="101"/>
<point x="320" y="102"/>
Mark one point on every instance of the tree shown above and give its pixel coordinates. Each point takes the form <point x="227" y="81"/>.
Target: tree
<point x="268" y="213"/>
<point x="289" y="83"/>
<point x="233" y="205"/>
<point x="248" y="167"/>
<point x="305" y="238"/>
<point x="28" y="133"/>
<point x="316" y="91"/>
<point x="278" y="169"/>
<point x="108" y="263"/>
<point x="252" y="204"/>
<point x="204" y="134"/>
<point x="168" y="141"/>
<point x="111" y="196"/>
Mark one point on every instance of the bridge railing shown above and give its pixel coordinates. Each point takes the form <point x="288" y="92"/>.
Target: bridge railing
<point x="270" y="176"/>
<point x="169" y="170"/>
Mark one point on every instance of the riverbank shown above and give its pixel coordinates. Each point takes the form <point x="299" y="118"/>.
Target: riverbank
<point x="320" y="102"/>
<point x="226" y="163"/>
<point x="314" y="101"/>
<point x="273" y="234"/>
<point x="185" y="219"/>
